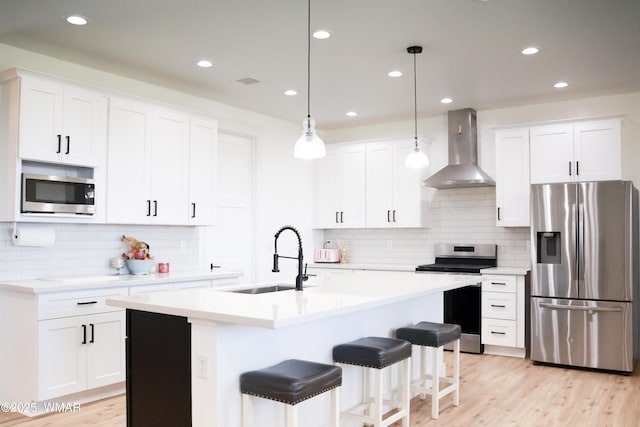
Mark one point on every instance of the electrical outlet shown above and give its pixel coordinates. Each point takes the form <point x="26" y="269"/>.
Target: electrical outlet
<point x="389" y="244"/>
<point x="202" y="362"/>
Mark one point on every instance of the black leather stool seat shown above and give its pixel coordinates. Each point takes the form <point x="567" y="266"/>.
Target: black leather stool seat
<point x="291" y="381"/>
<point x="430" y="334"/>
<point x="372" y="352"/>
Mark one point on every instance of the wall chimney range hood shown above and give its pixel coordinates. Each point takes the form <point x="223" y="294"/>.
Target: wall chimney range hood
<point x="462" y="170"/>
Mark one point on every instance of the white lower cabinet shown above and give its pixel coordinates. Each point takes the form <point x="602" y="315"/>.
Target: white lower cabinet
<point x="81" y="352"/>
<point x="503" y="314"/>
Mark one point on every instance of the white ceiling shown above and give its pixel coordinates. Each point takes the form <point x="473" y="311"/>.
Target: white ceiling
<point x="471" y="50"/>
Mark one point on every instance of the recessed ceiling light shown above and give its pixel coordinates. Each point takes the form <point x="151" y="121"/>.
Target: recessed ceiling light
<point x="204" y="63"/>
<point x="322" y="34"/>
<point x="530" y="50"/>
<point x="560" y="85"/>
<point x="446" y="100"/>
<point x="395" y="73"/>
<point x="352" y="114"/>
<point x="290" y="92"/>
<point x="77" y="20"/>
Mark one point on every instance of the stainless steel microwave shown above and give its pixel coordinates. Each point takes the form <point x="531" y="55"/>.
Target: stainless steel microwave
<point x="57" y="194"/>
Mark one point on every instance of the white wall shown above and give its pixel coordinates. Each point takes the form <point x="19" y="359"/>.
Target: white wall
<point x="283" y="184"/>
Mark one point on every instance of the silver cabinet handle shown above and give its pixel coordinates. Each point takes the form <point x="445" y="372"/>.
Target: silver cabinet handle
<point x="394" y="215"/>
<point x="499" y="283"/>
<point x="498" y="305"/>
<point x="580" y="308"/>
<point x="498" y="333"/>
<point x="388" y="216"/>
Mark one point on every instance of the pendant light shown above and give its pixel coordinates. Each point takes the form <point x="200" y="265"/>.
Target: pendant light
<point x="309" y="145"/>
<point x="417" y="159"/>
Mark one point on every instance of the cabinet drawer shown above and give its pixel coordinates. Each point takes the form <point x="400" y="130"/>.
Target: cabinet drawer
<point x="499" y="332"/>
<point x="75" y="303"/>
<point x="499" y="283"/>
<point x="499" y="305"/>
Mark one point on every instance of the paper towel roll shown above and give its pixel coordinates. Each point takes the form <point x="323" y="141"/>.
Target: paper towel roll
<point x="27" y="236"/>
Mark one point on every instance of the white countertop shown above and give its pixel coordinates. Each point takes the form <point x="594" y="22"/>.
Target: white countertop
<point x="518" y="271"/>
<point x="59" y="284"/>
<point x="339" y="295"/>
<point x="358" y="266"/>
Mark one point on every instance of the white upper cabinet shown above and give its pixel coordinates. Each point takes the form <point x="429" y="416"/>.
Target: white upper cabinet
<point x="393" y="192"/>
<point x="129" y="136"/>
<point x="581" y="151"/>
<point x="168" y="162"/>
<point x="203" y="158"/>
<point x="147" y="164"/>
<point x="340" y="187"/>
<point x="512" y="178"/>
<point x="61" y="123"/>
<point x="598" y="150"/>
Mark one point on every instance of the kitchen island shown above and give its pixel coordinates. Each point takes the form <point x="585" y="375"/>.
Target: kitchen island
<point x="230" y="333"/>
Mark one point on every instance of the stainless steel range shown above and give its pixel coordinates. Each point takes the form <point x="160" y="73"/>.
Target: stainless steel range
<point x="463" y="306"/>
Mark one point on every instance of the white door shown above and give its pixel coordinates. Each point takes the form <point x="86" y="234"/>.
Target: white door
<point x="229" y="245"/>
<point x="379" y="188"/>
<point x="551" y="151"/>
<point x="168" y="165"/>
<point x="352" y="184"/>
<point x="62" y="362"/>
<point x="106" y="348"/>
<point x="512" y="178"/>
<point x="40" y="119"/>
<point x="203" y="163"/>
<point x="129" y="134"/>
<point x="598" y="150"/>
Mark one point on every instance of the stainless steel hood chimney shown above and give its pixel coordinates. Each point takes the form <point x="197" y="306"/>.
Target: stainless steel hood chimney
<point x="462" y="170"/>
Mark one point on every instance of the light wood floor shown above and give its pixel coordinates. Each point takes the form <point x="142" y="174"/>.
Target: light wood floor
<point x="496" y="391"/>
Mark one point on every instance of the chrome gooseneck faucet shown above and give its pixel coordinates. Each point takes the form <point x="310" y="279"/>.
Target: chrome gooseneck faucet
<point x="301" y="277"/>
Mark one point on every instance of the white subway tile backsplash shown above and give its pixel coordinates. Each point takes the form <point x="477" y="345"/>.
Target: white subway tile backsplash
<point x="465" y="215"/>
<point x="82" y="249"/>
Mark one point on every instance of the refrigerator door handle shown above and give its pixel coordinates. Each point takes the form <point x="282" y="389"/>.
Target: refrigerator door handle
<point x="580" y="308"/>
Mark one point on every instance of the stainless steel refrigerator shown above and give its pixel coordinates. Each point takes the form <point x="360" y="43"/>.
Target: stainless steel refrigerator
<point x="584" y="287"/>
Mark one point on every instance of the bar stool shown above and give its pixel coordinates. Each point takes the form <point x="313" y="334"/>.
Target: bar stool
<point x="435" y="336"/>
<point x="291" y="382"/>
<point x="375" y="354"/>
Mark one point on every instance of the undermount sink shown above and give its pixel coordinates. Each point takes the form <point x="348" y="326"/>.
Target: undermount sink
<point x="265" y="289"/>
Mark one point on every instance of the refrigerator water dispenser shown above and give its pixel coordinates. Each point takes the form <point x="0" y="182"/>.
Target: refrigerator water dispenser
<point x="548" y="245"/>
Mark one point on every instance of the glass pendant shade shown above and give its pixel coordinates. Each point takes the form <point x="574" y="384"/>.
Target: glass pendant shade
<point x="417" y="159"/>
<point x="309" y="145"/>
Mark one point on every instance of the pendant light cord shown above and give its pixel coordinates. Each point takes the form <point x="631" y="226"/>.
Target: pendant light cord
<point x="415" y="101"/>
<point x="309" y="58"/>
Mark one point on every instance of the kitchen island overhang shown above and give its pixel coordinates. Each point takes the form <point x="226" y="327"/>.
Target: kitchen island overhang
<point x="234" y="332"/>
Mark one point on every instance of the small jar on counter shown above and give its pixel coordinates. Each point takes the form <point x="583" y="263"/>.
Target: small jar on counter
<point x="163" y="267"/>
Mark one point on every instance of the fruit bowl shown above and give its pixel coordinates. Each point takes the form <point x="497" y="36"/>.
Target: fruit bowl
<point x="139" y="266"/>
